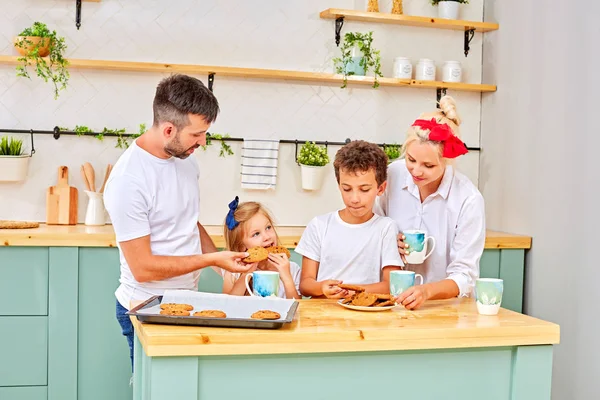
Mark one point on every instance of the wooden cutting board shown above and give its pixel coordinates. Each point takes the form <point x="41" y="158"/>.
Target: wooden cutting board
<point x="61" y="201"/>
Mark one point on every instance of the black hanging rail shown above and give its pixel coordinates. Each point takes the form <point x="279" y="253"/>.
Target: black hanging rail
<point x="57" y="132"/>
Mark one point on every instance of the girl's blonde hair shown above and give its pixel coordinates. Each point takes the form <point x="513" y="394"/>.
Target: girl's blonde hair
<point x="446" y="114"/>
<point x="234" y="238"/>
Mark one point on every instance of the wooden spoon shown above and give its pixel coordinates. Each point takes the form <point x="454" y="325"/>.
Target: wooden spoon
<point x="91" y="175"/>
<point x="84" y="177"/>
<point x="108" y="169"/>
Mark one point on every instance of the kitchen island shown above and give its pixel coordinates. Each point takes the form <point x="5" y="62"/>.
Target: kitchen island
<point x="445" y="350"/>
<point x="61" y="339"/>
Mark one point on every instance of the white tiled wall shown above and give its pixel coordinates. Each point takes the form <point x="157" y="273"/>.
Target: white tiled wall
<point x="260" y="33"/>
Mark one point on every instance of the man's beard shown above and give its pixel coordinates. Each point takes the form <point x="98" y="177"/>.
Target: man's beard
<point x="175" y="149"/>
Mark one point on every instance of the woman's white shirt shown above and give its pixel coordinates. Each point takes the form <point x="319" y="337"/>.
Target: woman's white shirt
<point x="454" y="215"/>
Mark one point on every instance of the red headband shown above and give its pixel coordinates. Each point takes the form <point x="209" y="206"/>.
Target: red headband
<point x="453" y="146"/>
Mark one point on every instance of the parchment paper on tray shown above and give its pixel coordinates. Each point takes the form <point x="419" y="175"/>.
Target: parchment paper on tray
<point x="233" y="306"/>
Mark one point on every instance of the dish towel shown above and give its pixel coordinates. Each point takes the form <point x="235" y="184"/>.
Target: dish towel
<point x="259" y="163"/>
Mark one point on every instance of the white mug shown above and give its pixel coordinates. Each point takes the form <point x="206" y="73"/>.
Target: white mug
<point x="417" y="250"/>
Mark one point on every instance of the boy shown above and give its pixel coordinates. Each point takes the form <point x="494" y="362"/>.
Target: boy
<point x="352" y="245"/>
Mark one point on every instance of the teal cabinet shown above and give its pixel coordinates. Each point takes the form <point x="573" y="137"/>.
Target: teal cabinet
<point x="23" y="351"/>
<point x="24" y="393"/>
<point x="24" y="281"/>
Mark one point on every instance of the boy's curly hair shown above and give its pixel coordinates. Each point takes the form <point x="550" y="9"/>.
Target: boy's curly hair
<point x="361" y="156"/>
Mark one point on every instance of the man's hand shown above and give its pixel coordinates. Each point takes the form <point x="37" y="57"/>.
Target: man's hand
<point x="232" y="261"/>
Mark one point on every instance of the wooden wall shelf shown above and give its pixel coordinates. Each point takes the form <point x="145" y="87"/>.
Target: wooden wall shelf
<point x="408" y="20"/>
<point x="318" y="77"/>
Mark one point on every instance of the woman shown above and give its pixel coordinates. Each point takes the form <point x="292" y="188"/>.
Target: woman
<point x="425" y="192"/>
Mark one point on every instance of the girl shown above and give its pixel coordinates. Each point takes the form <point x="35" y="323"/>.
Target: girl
<point x="250" y="225"/>
<point x="424" y="191"/>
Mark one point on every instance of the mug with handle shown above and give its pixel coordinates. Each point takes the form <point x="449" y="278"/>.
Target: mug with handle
<point x="264" y="283"/>
<point x="400" y="280"/>
<point x="417" y="240"/>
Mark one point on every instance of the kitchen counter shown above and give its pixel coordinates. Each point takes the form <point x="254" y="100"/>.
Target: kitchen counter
<point x="103" y="236"/>
<point x="436" y="348"/>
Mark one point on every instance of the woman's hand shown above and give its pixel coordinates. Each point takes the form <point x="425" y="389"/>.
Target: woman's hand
<point x="402" y="247"/>
<point x="413" y="297"/>
<point x="331" y="290"/>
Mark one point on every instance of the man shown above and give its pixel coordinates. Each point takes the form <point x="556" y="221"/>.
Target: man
<point x="152" y="197"/>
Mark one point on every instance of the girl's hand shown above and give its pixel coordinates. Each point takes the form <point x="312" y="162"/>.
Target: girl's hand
<point x="331" y="290"/>
<point x="280" y="262"/>
<point x="402" y="247"/>
<point x="413" y="297"/>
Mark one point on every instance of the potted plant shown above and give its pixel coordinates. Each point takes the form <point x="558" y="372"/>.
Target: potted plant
<point x="358" y="57"/>
<point x="13" y="163"/>
<point x="312" y="160"/>
<point x="44" y="50"/>
<point x="448" y="9"/>
<point x="392" y="151"/>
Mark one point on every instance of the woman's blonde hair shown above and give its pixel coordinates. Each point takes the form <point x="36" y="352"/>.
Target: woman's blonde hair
<point x="446" y="114"/>
<point x="234" y="238"/>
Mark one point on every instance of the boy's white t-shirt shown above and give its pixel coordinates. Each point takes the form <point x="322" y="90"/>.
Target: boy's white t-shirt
<point x="294" y="271"/>
<point x="147" y="195"/>
<point x="353" y="253"/>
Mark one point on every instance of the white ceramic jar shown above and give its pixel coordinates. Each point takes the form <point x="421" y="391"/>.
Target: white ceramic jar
<point x="402" y="68"/>
<point x="451" y="71"/>
<point x="425" y="70"/>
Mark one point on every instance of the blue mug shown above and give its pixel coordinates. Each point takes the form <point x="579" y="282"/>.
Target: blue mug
<point x="402" y="280"/>
<point x="264" y="283"/>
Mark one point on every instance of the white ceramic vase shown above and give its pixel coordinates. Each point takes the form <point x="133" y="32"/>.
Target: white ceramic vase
<point x="312" y="176"/>
<point x="448" y="9"/>
<point x="94" y="214"/>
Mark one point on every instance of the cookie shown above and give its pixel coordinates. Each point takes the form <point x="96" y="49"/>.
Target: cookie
<point x="265" y="314"/>
<point x="279" y="250"/>
<point x="178" y="313"/>
<point x="354" y="288"/>
<point x="347" y="300"/>
<point x="383" y="296"/>
<point x="256" y="254"/>
<point x="386" y="303"/>
<point x="364" y="299"/>
<point x="210" y="314"/>
<point x="176" y="306"/>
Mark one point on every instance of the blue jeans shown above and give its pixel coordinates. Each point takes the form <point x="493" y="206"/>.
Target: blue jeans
<point x="126" y="328"/>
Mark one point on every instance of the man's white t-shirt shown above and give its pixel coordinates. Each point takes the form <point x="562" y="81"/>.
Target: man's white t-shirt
<point x="353" y="253"/>
<point x="147" y="195"/>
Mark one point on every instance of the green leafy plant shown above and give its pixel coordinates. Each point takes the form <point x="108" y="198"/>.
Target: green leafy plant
<point x="54" y="67"/>
<point x="313" y="155"/>
<point x="370" y="59"/>
<point x="11" y="147"/>
<point x="392" y="151"/>
<point x="225" y="148"/>
<point x="123" y="139"/>
<point x="435" y="2"/>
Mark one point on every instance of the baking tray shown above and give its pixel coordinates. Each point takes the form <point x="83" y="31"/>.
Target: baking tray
<point x="212" y="322"/>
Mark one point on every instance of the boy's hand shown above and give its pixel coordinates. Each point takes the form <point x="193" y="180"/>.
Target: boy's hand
<point x="331" y="290"/>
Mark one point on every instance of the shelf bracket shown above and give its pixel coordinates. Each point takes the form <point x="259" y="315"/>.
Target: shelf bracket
<point x="440" y="92"/>
<point x="78" y="14"/>
<point x="211" y="80"/>
<point x="56" y="134"/>
<point x="339" y="22"/>
<point x="32" y="147"/>
<point x="469" y="33"/>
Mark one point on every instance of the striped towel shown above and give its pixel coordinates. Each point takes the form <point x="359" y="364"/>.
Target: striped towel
<point x="259" y="163"/>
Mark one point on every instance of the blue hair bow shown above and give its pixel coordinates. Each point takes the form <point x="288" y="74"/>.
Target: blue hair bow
<point x="230" y="221"/>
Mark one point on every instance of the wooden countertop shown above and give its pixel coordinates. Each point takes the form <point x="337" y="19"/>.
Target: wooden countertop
<point x="103" y="236"/>
<point x="321" y="326"/>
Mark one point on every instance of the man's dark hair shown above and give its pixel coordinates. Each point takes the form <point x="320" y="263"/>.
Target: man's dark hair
<point x="180" y="95"/>
<point x="361" y="156"/>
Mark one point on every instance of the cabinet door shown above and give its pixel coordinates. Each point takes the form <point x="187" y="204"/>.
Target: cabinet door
<point x="24" y="281"/>
<point x="24" y="393"/>
<point x="24" y="351"/>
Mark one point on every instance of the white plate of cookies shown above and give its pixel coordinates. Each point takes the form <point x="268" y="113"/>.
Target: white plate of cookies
<point x="362" y="301"/>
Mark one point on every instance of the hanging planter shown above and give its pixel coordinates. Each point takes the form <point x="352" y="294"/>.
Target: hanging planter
<point x="392" y="151"/>
<point x="13" y="163"/>
<point x="313" y="160"/>
<point x="449" y="9"/>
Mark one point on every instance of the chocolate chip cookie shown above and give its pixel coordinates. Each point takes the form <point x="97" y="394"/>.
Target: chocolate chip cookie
<point x="256" y="254"/>
<point x="265" y="314"/>
<point x="176" y="306"/>
<point x="178" y="313"/>
<point x="279" y="250"/>
<point x="210" y="314"/>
